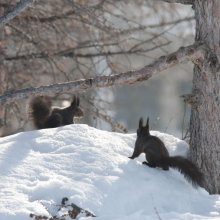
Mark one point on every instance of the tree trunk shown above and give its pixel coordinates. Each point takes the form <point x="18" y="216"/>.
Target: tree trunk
<point x="3" y="77"/>
<point x="205" y="113"/>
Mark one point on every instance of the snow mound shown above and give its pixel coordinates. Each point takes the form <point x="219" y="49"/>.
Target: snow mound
<point x="91" y="168"/>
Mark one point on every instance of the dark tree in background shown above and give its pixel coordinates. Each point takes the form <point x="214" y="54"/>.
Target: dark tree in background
<point x="70" y="40"/>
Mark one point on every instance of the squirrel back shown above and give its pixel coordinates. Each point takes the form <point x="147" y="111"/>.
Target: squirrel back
<point x="42" y="115"/>
<point x="157" y="155"/>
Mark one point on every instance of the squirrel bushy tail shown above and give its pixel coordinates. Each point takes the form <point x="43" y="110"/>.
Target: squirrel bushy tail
<point x="39" y="109"/>
<point x="157" y="155"/>
<point x="190" y="171"/>
<point x="42" y="114"/>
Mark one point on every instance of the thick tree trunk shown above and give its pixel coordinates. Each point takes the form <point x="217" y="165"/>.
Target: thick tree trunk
<point x="205" y="113"/>
<point x="3" y="77"/>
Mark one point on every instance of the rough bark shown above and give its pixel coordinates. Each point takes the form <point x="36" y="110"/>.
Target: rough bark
<point x="3" y="77"/>
<point x="17" y="9"/>
<point x="195" y="53"/>
<point x="205" y="113"/>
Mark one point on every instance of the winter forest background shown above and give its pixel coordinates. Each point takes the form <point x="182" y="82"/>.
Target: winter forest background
<point x="60" y="41"/>
<point x="68" y="41"/>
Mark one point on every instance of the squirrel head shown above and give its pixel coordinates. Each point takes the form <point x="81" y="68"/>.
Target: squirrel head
<point x="143" y="130"/>
<point x="77" y="111"/>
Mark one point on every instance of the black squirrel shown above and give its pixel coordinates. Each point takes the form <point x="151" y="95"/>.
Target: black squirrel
<point x="42" y="114"/>
<point x="157" y="155"/>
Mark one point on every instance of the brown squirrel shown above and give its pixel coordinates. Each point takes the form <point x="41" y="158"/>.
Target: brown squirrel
<point x="42" y="114"/>
<point x="158" y="156"/>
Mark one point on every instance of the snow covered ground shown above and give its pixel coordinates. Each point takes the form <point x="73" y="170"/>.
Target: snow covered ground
<point x="91" y="168"/>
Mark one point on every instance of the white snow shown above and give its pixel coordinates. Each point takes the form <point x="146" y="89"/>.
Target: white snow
<point x="91" y="168"/>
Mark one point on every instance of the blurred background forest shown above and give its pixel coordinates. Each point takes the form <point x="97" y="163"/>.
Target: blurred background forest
<point x="56" y="41"/>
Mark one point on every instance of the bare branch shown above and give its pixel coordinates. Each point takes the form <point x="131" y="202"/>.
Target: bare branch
<point x="70" y="53"/>
<point x="51" y="18"/>
<point x="184" y="2"/>
<point x="18" y="8"/>
<point x="195" y="53"/>
<point x="172" y="22"/>
<point x="26" y="36"/>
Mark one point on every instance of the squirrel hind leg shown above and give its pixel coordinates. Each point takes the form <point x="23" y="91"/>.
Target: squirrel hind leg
<point x="153" y="165"/>
<point x="55" y="120"/>
<point x="148" y="164"/>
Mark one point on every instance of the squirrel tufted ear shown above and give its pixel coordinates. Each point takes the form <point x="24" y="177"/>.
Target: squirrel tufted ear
<point x="141" y="121"/>
<point x="77" y="101"/>
<point x="74" y="102"/>
<point x="147" y="124"/>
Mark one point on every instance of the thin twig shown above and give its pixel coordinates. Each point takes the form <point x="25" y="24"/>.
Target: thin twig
<point x="184" y="2"/>
<point x="43" y="206"/>
<point x="155" y="208"/>
<point x="187" y="134"/>
<point x="158" y="118"/>
<point x="169" y="122"/>
<point x="183" y="117"/>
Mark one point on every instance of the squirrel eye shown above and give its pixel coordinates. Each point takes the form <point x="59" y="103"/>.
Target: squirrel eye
<point x="77" y="110"/>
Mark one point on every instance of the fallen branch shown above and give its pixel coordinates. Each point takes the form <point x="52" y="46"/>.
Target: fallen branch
<point x="15" y="10"/>
<point x="195" y="53"/>
<point x="75" y="212"/>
